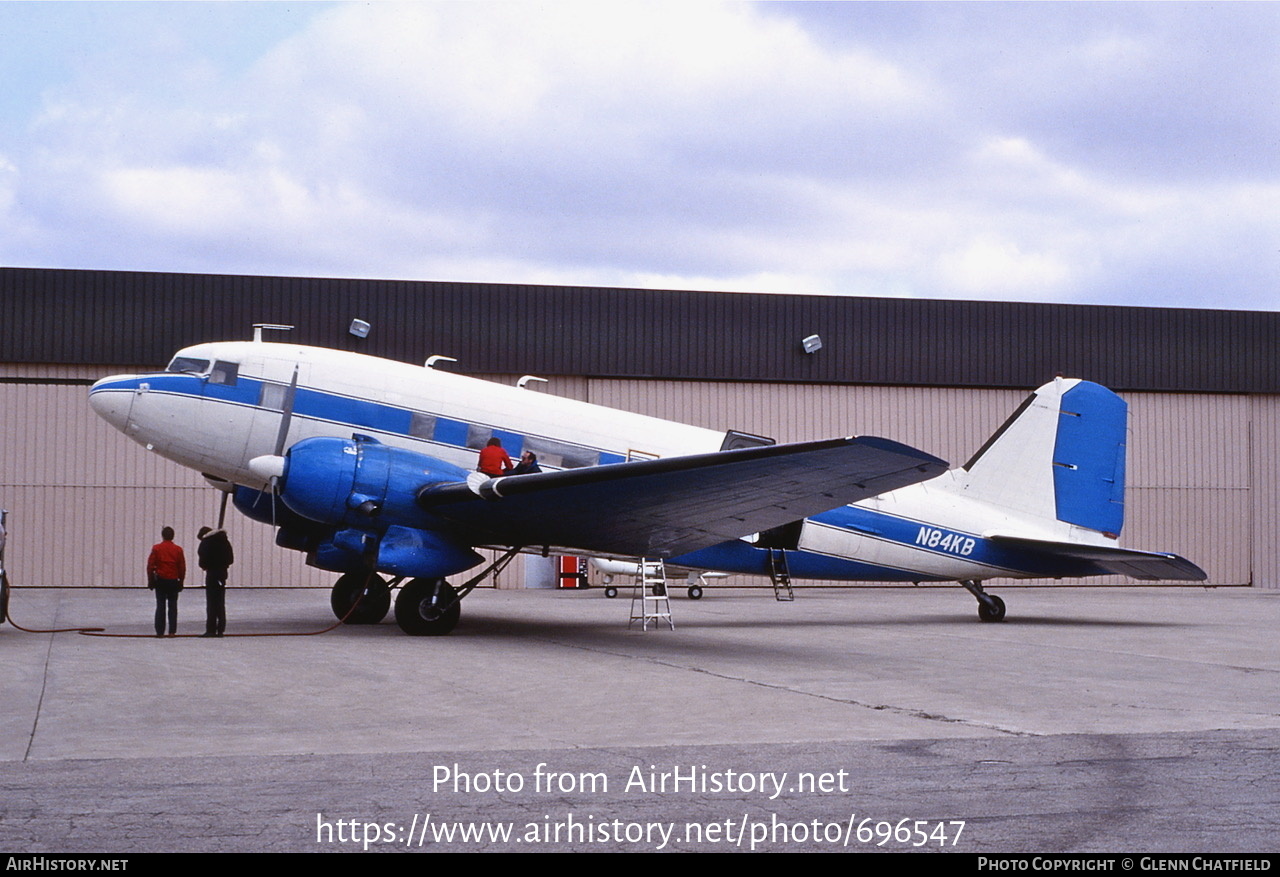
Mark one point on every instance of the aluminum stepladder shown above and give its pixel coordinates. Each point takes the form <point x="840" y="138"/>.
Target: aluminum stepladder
<point x="780" y="574"/>
<point x="649" y="601"/>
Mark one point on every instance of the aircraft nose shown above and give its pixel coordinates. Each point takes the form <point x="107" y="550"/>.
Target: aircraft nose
<point x="111" y="401"/>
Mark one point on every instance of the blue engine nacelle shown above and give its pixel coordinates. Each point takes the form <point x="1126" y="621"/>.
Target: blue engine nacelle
<point x="364" y="492"/>
<point x="293" y="530"/>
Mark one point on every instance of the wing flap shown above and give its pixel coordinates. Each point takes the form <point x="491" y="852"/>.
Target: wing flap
<point x="670" y="506"/>
<point x="1142" y="565"/>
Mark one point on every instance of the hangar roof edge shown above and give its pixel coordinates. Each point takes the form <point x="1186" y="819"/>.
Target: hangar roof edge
<point x="125" y="318"/>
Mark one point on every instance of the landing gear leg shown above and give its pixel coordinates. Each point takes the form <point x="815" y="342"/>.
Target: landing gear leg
<point x="431" y="607"/>
<point x="427" y="607"/>
<point x="990" y="607"/>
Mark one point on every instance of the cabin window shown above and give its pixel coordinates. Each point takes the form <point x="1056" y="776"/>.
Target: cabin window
<point x="561" y="455"/>
<point x="478" y="436"/>
<point x="422" y="425"/>
<point x="224" y="373"/>
<point x="272" y="396"/>
<point x="188" y="365"/>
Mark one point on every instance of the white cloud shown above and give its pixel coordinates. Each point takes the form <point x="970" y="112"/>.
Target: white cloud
<point x="8" y="180"/>
<point x="696" y="145"/>
<point x="991" y="267"/>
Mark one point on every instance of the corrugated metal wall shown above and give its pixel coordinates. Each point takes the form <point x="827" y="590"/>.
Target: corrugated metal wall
<point x="1264" y="452"/>
<point x="86" y="503"/>
<point x="1192" y="486"/>
<point x="142" y="317"/>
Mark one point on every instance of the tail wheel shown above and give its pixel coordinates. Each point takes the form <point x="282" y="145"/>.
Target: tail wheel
<point x="993" y="611"/>
<point x="427" y="607"/>
<point x="373" y="606"/>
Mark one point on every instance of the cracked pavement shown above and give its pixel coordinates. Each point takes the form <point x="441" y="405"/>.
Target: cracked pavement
<point x="1093" y="719"/>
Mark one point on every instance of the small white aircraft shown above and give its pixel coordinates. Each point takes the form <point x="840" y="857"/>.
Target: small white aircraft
<point x="694" y="579"/>
<point x="368" y="466"/>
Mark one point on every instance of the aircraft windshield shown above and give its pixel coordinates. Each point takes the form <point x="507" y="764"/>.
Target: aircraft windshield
<point x="224" y="373"/>
<point x="187" y="365"/>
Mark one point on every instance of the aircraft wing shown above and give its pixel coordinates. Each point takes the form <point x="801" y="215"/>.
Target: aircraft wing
<point x="670" y="506"/>
<point x="1144" y="565"/>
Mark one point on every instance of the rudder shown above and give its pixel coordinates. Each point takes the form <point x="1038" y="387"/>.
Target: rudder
<point x="1060" y="456"/>
<point x="1089" y="458"/>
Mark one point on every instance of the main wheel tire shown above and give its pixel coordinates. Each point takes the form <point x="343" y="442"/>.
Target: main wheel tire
<point x="427" y="607"/>
<point x="373" y="607"/>
<point x="695" y="592"/>
<point x="994" y="612"/>
<point x="610" y="591"/>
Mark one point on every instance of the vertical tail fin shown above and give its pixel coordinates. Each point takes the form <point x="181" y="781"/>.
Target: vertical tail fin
<point x="1060" y="456"/>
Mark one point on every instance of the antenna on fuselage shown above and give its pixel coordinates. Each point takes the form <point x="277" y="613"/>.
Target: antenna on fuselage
<point x="275" y="327"/>
<point x="438" y="357"/>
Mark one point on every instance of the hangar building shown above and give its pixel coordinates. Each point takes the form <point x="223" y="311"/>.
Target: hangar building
<point x="86" y="503"/>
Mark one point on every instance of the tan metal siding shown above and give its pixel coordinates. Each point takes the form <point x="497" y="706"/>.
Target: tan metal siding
<point x="1189" y="480"/>
<point x="48" y="430"/>
<point x="1265" y="492"/>
<point x="952" y="423"/>
<point x="99" y="536"/>
<point x="1188" y="471"/>
<point x="87" y="503"/>
<point x="1188" y="441"/>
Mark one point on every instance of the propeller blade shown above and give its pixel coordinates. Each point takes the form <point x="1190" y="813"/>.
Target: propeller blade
<point x="286" y="413"/>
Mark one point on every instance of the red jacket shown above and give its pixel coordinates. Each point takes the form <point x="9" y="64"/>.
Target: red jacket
<point x="167" y="562"/>
<point x="494" y="461"/>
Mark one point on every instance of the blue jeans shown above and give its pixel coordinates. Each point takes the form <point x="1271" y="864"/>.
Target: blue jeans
<point x="167" y="600"/>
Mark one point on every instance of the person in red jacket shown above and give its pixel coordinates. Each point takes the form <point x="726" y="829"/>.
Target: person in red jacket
<point x="494" y="461"/>
<point x="166" y="570"/>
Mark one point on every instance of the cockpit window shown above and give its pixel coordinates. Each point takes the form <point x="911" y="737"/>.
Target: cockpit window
<point x="224" y="373"/>
<point x="187" y="365"/>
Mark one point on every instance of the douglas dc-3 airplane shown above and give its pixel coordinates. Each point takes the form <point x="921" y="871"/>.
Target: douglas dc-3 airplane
<point x="367" y="465"/>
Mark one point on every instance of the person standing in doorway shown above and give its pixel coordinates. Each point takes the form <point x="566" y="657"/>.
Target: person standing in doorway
<point x="215" y="556"/>
<point x="166" y="571"/>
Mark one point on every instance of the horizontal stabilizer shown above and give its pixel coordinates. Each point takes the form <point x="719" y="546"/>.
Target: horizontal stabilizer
<point x="1144" y="565"/>
<point x="674" y="505"/>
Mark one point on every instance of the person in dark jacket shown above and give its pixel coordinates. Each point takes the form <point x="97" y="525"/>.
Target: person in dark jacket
<point x="215" y="557"/>
<point x="528" y="464"/>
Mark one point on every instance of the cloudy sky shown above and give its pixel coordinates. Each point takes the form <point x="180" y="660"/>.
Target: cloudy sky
<point x="1111" y="153"/>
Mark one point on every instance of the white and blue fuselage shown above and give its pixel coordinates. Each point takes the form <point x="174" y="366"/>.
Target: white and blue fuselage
<point x="1053" y="478"/>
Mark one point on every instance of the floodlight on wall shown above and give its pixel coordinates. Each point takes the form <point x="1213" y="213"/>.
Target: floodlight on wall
<point x="359" y="328"/>
<point x="812" y="344"/>
<point x="438" y="357"/>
